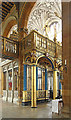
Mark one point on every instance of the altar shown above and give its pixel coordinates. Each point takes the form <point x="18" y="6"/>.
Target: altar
<point x="57" y="105"/>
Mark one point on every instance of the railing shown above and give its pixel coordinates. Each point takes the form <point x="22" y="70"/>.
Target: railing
<point x="28" y="41"/>
<point x="37" y="41"/>
<point x="45" y="44"/>
<point x="26" y="96"/>
<point x="9" y="46"/>
<point x="33" y="41"/>
<point x="41" y="94"/>
<point x="59" y="51"/>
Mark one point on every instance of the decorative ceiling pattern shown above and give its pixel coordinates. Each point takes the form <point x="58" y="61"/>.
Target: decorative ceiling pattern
<point x="44" y="14"/>
<point x="0" y="12"/>
<point x="6" y="7"/>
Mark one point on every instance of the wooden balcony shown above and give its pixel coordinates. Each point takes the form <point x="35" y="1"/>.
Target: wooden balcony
<point x="34" y="41"/>
<point x="40" y="43"/>
<point x="9" y="48"/>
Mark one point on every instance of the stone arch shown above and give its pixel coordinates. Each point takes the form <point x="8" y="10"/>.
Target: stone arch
<point x="50" y="60"/>
<point x="25" y="14"/>
<point x="11" y="21"/>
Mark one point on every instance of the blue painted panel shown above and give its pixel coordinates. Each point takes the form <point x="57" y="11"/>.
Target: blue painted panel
<point x="36" y="78"/>
<point x="59" y="83"/>
<point x="45" y="79"/>
<point x="25" y="78"/>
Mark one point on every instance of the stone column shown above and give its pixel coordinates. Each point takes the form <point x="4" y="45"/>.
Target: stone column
<point x="4" y="44"/>
<point x="7" y="83"/>
<point x="20" y="59"/>
<point x="33" y="94"/>
<point x="54" y="84"/>
<point x="20" y="69"/>
<point x="12" y="82"/>
<point x="66" y="87"/>
<point x="2" y="82"/>
<point x="20" y="78"/>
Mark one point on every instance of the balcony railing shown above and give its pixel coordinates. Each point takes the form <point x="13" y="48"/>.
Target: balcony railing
<point x="41" y="43"/>
<point x="9" y="47"/>
<point x="33" y="41"/>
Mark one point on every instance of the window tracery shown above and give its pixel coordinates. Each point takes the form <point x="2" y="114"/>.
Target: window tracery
<point x="44" y="15"/>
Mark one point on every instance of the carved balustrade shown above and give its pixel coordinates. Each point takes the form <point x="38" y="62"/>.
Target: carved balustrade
<point x="9" y="47"/>
<point x="38" y="42"/>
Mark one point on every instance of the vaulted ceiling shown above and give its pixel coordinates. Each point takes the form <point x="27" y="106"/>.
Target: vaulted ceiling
<point x="44" y="13"/>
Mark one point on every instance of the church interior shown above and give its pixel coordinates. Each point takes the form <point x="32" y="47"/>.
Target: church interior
<point x="35" y="57"/>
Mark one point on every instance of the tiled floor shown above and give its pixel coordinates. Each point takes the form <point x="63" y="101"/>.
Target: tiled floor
<point x="43" y="110"/>
<point x="0" y="108"/>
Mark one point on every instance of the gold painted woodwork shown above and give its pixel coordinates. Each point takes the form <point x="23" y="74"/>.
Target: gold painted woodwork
<point x="32" y="49"/>
<point x="33" y="94"/>
<point x="6" y="44"/>
<point x="47" y="96"/>
<point x="29" y="46"/>
<point x="27" y="99"/>
<point x="24" y="96"/>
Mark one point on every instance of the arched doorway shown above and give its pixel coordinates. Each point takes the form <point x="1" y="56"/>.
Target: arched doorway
<point x="45" y="75"/>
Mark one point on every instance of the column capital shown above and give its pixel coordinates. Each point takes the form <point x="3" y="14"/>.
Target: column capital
<point x="55" y="69"/>
<point x="34" y="64"/>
